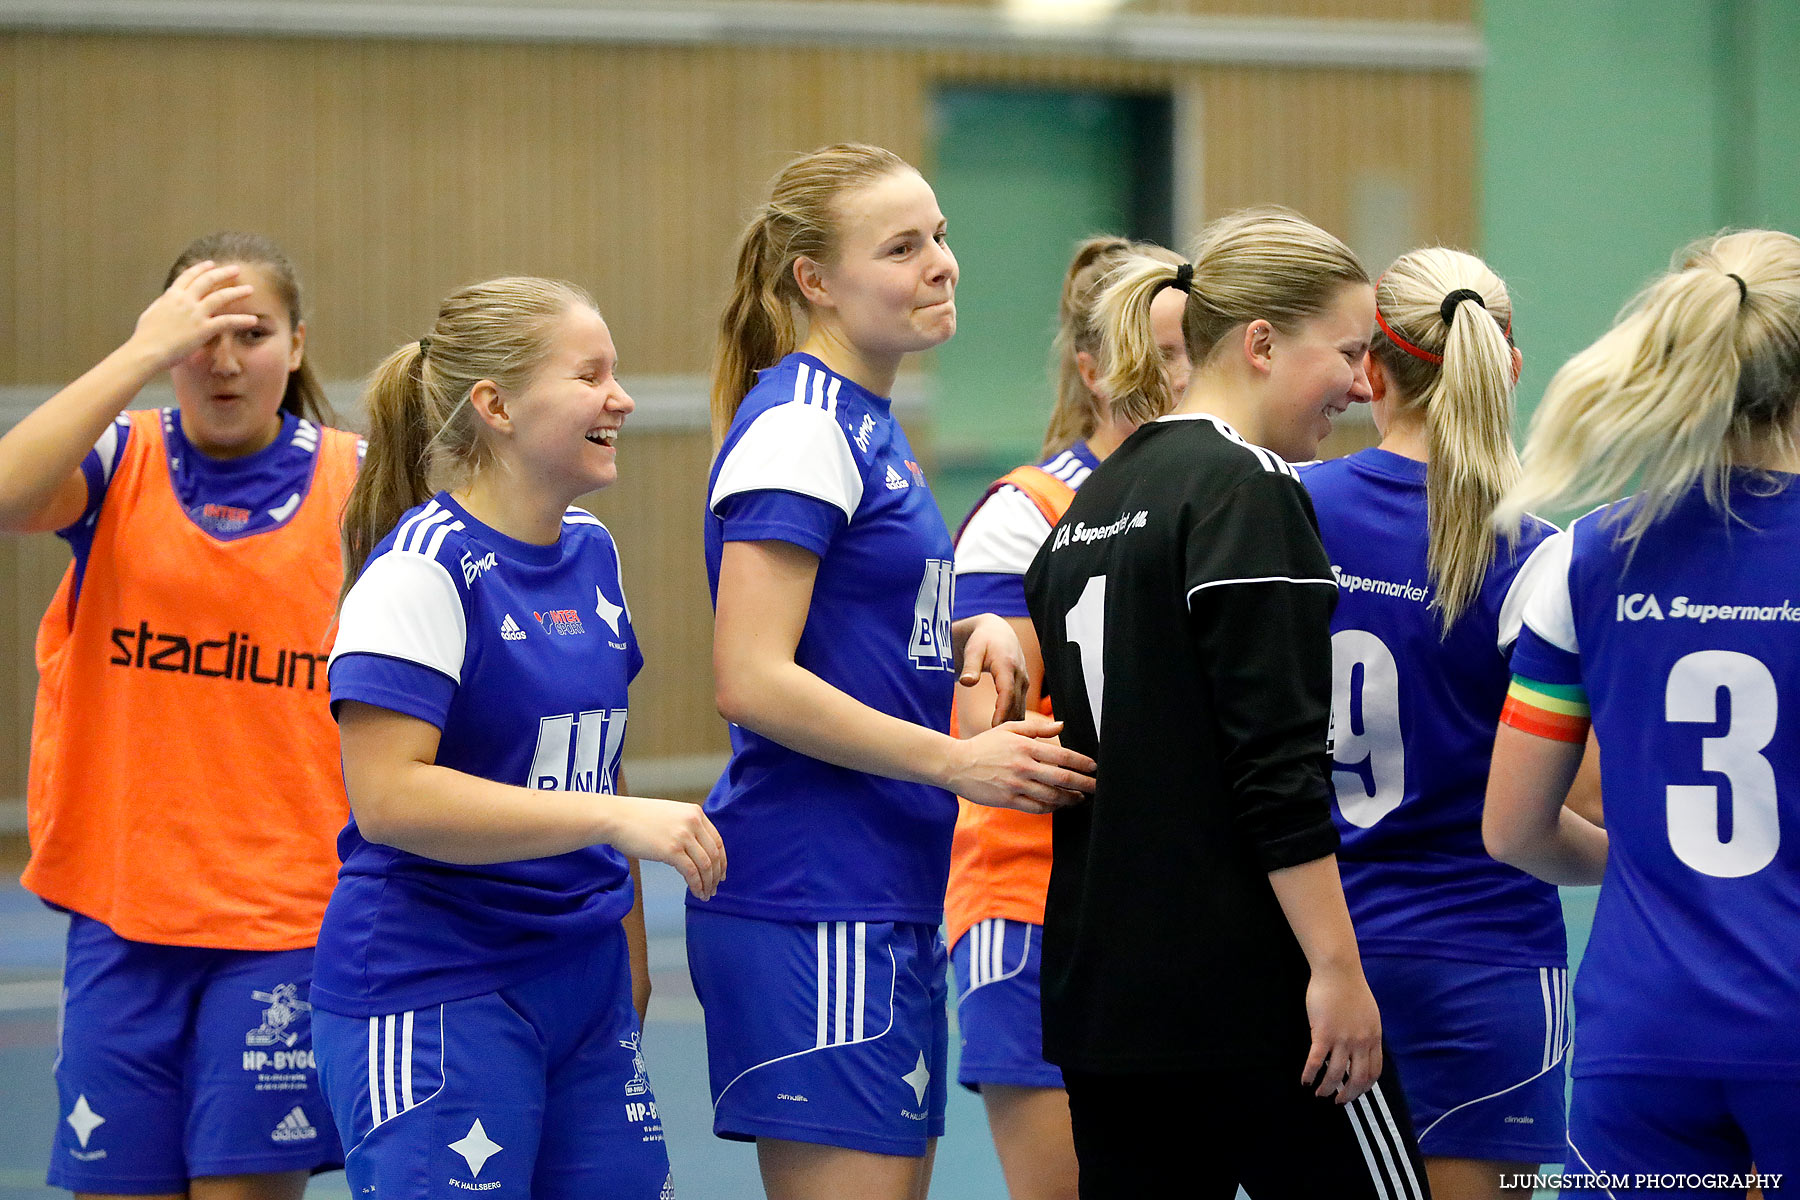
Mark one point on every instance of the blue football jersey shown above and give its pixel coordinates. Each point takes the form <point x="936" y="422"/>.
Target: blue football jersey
<point x="1413" y="717"/>
<point x="814" y="460"/>
<point x="521" y="655"/>
<point x="1002" y="535"/>
<point x="1689" y="650"/>
<point x="229" y="498"/>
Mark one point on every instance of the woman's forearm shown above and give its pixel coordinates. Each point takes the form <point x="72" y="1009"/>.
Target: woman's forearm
<point x="41" y="454"/>
<point x="787" y="703"/>
<point x="1525" y="823"/>
<point x="438" y="812"/>
<point x="1311" y="896"/>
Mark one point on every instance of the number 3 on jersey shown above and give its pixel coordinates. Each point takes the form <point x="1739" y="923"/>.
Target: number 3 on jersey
<point x="1365" y="716"/>
<point x="930" y="647"/>
<point x="1692" y="697"/>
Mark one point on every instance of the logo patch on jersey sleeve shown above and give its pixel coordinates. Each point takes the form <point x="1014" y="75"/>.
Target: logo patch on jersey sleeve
<point x="607" y="611"/>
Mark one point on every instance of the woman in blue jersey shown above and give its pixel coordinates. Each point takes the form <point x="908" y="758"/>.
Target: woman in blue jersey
<point x="474" y="995"/>
<point x="181" y="813"/>
<point x="819" y="962"/>
<point x="1000" y="858"/>
<point x="1673" y="620"/>
<point x="1465" y="955"/>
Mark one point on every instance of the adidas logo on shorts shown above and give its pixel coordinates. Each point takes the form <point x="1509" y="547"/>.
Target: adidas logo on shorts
<point x="510" y="631"/>
<point x="294" y="1128"/>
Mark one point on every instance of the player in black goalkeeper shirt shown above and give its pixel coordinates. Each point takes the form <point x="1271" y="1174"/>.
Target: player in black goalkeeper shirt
<point x="1202" y="988"/>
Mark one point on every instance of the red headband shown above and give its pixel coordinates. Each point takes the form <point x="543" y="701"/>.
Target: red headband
<point x="1419" y="352"/>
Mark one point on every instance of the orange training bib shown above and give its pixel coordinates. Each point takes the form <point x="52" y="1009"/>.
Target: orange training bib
<point x="185" y="786"/>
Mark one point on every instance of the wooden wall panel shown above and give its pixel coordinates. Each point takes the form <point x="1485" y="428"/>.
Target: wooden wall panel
<point x="1456" y="11"/>
<point x="1452" y="11"/>
<point x="655" y="512"/>
<point x="1304" y="139"/>
<point x="396" y="171"/>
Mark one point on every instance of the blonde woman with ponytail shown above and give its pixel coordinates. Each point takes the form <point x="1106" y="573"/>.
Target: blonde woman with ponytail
<point x="1202" y="989"/>
<point x="1465" y="955"/>
<point x="478" y="998"/>
<point x="1000" y="858"/>
<point x="183" y="792"/>
<point x="1671" y="623"/>
<point x="819" y="962"/>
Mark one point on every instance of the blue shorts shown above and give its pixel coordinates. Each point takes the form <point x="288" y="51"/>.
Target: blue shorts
<point x="1661" y="1126"/>
<point x="1480" y="1051"/>
<point x="176" y="1062"/>
<point x="536" y="1090"/>
<point x="999" y="1010"/>
<point x="831" y="1032"/>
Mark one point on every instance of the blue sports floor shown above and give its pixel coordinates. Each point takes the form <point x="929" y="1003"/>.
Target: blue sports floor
<point x="31" y="946"/>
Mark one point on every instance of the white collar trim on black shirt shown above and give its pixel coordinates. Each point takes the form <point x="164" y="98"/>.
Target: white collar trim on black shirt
<point x="1270" y="460"/>
<point x="1224" y="425"/>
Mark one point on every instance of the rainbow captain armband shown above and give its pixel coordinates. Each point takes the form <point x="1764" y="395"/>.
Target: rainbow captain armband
<point x="1558" y="711"/>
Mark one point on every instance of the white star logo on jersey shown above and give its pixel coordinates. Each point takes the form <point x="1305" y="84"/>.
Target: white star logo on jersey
<point x="476" y="1148"/>
<point x="919" y="1078"/>
<point x="895" y="480"/>
<point x="607" y="610"/>
<point x="84" y="1120"/>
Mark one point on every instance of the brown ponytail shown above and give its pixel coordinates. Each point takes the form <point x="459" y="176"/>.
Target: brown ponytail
<point x="799" y="220"/>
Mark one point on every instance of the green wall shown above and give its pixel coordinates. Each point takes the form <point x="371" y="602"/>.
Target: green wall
<point x="1614" y="132"/>
<point x="1022" y="175"/>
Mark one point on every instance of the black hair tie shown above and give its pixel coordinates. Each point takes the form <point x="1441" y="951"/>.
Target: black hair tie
<point x="1743" y="288"/>
<point x="1447" y="310"/>
<point x="1183" y="281"/>
<point x="424" y="346"/>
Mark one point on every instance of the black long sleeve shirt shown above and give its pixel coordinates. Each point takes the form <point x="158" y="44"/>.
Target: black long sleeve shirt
<point x="1184" y="606"/>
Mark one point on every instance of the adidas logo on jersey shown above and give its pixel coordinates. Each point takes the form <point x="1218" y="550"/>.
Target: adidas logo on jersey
<point x="294" y="1128"/>
<point x="895" y="481"/>
<point x="509" y="629"/>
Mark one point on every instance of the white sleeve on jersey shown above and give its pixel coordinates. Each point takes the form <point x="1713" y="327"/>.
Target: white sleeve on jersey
<point x="1542" y="563"/>
<point x="405" y="606"/>
<point x="107" y="448"/>
<point x="1544" y="602"/>
<point x="792" y="448"/>
<point x="1003" y="536"/>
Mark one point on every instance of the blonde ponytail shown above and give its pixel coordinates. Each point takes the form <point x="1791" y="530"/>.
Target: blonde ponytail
<point x="799" y="220"/>
<point x="1133" y="365"/>
<point x="1700" y="374"/>
<point x="423" y="434"/>
<point x="1079" y="413"/>
<point x="1259" y="264"/>
<point x="1443" y="336"/>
